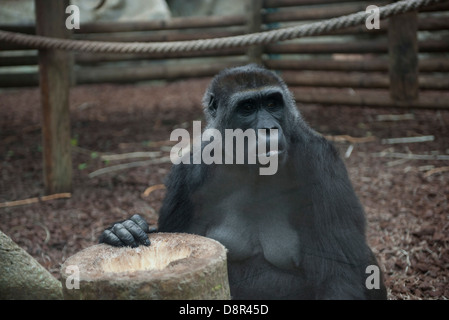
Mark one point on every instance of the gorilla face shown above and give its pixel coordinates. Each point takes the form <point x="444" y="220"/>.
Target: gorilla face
<point x="263" y="111"/>
<point x="251" y="98"/>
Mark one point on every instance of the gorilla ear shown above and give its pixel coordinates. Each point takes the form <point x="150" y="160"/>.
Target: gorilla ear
<point x="212" y="105"/>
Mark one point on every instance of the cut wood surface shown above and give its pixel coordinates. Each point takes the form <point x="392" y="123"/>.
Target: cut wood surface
<point x="174" y="266"/>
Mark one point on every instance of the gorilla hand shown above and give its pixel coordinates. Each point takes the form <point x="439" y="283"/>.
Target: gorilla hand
<point x="131" y="232"/>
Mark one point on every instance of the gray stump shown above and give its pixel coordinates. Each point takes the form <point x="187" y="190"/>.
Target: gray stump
<point x="174" y="266"/>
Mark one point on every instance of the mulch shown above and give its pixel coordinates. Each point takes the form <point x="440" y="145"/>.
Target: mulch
<point x="406" y="200"/>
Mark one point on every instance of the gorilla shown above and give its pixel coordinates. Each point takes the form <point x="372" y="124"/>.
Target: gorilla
<point x="295" y="234"/>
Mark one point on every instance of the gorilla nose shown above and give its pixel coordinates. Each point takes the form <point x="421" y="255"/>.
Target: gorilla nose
<point x="272" y="133"/>
<point x="269" y="139"/>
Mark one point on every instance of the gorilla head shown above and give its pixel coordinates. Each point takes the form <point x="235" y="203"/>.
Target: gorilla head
<point x="251" y="97"/>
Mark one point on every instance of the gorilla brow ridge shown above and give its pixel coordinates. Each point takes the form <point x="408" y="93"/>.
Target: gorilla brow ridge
<point x="264" y="91"/>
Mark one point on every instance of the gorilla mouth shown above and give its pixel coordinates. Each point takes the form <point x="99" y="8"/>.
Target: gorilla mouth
<point x="271" y="153"/>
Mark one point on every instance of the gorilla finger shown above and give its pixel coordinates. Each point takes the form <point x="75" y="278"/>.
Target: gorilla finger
<point x="110" y="238"/>
<point x="124" y="235"/>
<point x="140" y="222"/>
<point x="152" y="230"/>
<point x="137" y="232"/>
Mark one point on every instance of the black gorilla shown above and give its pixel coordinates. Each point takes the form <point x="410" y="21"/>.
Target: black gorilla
<point x="296" y="234"/>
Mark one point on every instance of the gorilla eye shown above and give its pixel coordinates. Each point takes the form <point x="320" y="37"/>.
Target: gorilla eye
<point x="273" y="105"/>
<point x="247" y="107"/>
<point x="274" y="102"/>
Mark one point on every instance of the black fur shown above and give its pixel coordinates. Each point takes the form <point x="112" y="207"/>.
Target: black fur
<point x="297" y="234"/>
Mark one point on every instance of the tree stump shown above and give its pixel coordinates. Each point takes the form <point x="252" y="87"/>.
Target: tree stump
<point x="174" y="266"/>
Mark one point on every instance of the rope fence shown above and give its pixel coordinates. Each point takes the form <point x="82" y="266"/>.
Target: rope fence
<point x="260" y="38"/>
<point x="398" y="88"/>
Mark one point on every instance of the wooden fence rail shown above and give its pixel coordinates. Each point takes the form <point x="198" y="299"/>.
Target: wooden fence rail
<point x="354" y="58"/>
<point x="356" y="66"/>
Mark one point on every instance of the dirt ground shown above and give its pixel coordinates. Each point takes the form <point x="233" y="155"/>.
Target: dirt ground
<point x="406" y="200"/>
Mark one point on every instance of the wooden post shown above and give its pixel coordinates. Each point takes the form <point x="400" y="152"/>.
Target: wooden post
<point x="255" y="25"/>
<point x="403" y="54"/>
<point x="54" y="73"/>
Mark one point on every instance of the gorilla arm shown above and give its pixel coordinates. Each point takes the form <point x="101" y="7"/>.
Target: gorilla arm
<point x="335" y="254"/>
<point x="177" y="208"/>
<point x="175" y="214"/>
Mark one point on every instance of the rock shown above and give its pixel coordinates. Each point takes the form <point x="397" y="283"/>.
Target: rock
<point x="123" y="10"/>
<point x="22" y="11"/>
<point x="182" y="8"/>
<point x="22" y="277"/>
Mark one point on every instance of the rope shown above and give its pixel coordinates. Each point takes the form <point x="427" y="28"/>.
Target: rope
<point x="261" y="38"/>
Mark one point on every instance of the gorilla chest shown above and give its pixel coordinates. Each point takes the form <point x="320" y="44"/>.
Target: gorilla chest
<point x="250" y="222"/>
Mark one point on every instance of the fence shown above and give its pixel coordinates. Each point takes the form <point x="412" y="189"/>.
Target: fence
<point x="319" y="69"/>
<point x="352" y="66"/>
